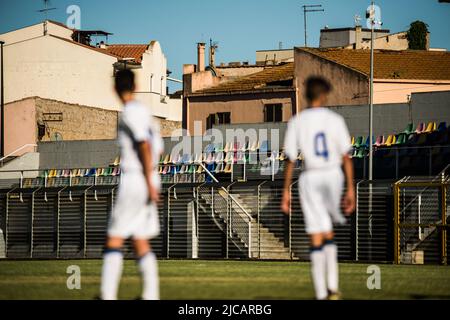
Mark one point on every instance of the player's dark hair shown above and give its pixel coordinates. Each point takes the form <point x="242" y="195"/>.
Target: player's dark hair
<point x="315" y="87"/>
<point x="124" y="81"/>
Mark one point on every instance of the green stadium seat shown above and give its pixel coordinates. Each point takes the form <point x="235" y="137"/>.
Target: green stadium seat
<point x="409" y="128"/>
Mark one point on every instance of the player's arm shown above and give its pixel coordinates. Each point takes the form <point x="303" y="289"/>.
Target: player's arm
<point x="286" y="201"/>
<point x="145" y="155"/>
<point x="350" y="197"/>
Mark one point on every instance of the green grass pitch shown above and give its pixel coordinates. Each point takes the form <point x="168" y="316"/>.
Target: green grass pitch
<point x="191" y="279"/>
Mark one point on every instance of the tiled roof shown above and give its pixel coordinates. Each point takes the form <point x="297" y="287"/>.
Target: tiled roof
<point x="134" y="51"/>
<point x="268" y="79"/>
<point x="407" y="64"/>
<point x="84" y="46"/>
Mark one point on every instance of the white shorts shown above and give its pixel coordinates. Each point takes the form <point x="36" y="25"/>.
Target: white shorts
<point x="132" y="215"/>
<point x="320" y="197"/>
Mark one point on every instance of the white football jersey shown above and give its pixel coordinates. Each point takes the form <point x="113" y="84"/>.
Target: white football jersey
<point x="137" y="125"/>
<point x="321" y="136"/>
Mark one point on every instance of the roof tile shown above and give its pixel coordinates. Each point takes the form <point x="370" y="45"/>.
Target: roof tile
<point x="388" y="64"/>
<point x="257" y="81"/>
<point x="134" y="51"/>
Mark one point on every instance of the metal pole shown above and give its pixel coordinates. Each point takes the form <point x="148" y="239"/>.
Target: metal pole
<point x="2" y="103"/>
<point x="371" y="93"/>
<point x="304" y="19"/>
<point x="310" y="8"/>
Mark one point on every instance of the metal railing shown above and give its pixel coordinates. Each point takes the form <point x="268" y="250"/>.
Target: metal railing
<point x="238" y="220"/>
<point x="421" y="218"/>
<point x="13" y="153"/>
<point x="207" y="220"/>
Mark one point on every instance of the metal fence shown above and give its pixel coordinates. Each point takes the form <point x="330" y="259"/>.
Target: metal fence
<point x="421" y="221"/>
<point x="198" y="220"/>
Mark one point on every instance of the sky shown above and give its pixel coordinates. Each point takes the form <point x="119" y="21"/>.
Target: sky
<point x="239" y="26"/>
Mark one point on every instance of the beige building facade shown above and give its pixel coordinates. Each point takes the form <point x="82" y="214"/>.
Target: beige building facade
<point x="33" y="119"/>
<point x="52" y="65"/>
<point x="398" y="74"/>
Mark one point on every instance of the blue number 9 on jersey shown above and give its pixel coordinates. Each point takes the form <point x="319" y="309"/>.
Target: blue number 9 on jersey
<point x="320" y="145"/>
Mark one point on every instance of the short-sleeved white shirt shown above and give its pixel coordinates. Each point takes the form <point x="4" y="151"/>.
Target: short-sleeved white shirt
<point x="321" y="136"/>
<point x="137" y="125"/>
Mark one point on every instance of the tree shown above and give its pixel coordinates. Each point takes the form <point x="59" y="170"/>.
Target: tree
<point x="417" y="35"/>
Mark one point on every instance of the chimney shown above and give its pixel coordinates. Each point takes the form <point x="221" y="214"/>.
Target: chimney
<point x="358" y="37"/>
<point x="200" y="56"/>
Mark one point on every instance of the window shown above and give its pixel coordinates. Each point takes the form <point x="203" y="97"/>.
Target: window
<point x="218" y="118"/>
<point x="273" y="112"/>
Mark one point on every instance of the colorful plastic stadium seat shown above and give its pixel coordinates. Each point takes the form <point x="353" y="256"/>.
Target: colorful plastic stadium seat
<point x="379" y="141"/>
<point x="360" y="153"/>
<point x="409" y="128"/>
<point x="219" y="168"/>
<point x="227" y="147"/>
<point x="358" y="142"/>
<point x="442" y="126"/>
<point x="229" y="157"/>
<point x="166" y="159"/>
<point x="264" y="146"/>
<point x="211" y="167"/>
<point x="184" y="159"/>
<point x="176" y="159"/>
<point x="219" y="157"/>
<point x="109" y="171"/>
<point x="420" y="127"/>
<point x="228" y="168"/>
<point x="390" y="140"/>
<point x="430" y="127"/>
<point x="253" y="146"/>
<point x="401" y="138"/>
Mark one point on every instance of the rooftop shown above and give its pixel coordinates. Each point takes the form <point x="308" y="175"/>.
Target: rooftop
<point x="134" y="51"/>
<point x="390" y="64"/>
<point x="353" y="29"/>
<point x="270" y="79"/>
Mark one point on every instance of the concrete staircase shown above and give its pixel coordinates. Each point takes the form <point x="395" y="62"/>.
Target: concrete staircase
<point x="407" y="256"/>
<point x="264" y="243"/>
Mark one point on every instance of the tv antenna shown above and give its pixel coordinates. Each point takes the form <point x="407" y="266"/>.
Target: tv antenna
<point x="310" y="8"/>
<point x="213" y="48"/>
<point x="45" y="11"/>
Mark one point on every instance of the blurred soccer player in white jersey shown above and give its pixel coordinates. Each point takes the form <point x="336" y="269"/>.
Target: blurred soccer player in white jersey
<point x="322" y="137"/>
<point x="135" y="213"/>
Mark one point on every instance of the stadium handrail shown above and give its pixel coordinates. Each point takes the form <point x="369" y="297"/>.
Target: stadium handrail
<point x="18" y="149"/>
<point x="228" y="193"/>
<point x="249" y="217"/>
